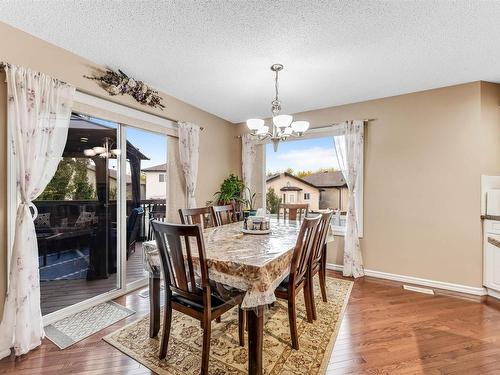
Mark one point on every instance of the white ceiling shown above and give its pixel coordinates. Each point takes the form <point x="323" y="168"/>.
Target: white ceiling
<point x="216" y="54"/>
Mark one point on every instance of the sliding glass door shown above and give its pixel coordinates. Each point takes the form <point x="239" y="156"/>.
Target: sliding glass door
<point x="76" y="223"/>
<point x="146" y="157"/>
<point x="94" y="214"/>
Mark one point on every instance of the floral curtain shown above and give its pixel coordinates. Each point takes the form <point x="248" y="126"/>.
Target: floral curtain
<point x="349" y="150"/>
<point x="38" y="112"/>
<point x="189" y="152"/>
<point x="248" y="154"/>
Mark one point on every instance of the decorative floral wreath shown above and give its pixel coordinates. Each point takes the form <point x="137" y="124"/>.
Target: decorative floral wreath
<point x="118" y="83"/>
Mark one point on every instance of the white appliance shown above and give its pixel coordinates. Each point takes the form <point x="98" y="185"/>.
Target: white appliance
<point x="493" y="202"/>
<point x="491" y="257"/>
<point x="490" y="206"/>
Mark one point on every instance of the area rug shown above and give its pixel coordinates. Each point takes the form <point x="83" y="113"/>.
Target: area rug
<point x="79" y="326"/>
<point x="226" y="356"/>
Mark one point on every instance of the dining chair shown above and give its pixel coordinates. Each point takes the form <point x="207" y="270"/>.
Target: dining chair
<point x="184" y="292"/>
<point x="224" y="214"/>
<point x="297" y="278"/>
<point x="318" y="259"/>
<point x="294" y="210"/>
<point x="203" y="216"/>
<point x="158" y="211"/>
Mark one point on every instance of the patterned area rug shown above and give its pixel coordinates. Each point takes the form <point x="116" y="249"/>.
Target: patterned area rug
<point x="79" y="326"/>
<point x="227" y="357"/>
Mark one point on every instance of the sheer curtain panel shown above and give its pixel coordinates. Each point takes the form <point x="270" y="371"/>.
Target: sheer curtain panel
<point x="38" y="114"/>
<point x="349" y="151"/>
<point x="248" y="155"/>
<point x="189" y="153"/>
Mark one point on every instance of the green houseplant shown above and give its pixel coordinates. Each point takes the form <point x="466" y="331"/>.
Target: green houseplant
<point x="230" y="191"/>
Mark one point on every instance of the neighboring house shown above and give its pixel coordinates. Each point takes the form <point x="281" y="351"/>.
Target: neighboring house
<point x="112" y="183"/>
<point x="292" y="189"/>
<point x="156" y="181"/>
<point x="333" y="189"/>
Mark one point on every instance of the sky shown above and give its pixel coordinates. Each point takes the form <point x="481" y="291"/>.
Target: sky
<point x="301" y="155"/>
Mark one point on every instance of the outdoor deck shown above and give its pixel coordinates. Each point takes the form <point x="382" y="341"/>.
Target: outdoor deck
<point x="56" y="295"/>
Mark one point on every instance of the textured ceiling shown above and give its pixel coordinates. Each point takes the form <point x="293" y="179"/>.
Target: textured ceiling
<point x="216" y="54"/>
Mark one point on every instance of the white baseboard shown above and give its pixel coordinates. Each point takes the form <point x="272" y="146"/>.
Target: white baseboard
<point x="418" y="281"/>
<point x="493" y="293"/>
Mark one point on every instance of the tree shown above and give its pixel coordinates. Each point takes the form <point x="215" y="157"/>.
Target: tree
<point x="83" y="190"/>
<point x="289" y="170"/>
<point x="302" y="174"/>
<point x="60" y="187"/>
<point x="272" y="201"/>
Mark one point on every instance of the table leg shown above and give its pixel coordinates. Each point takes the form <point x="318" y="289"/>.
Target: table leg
<point x="255" y="339"/>
<point x="154" y="306"/>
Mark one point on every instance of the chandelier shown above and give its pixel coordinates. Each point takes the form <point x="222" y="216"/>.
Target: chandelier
<point x="282" y="126"/>
<point x="104" y="151"/>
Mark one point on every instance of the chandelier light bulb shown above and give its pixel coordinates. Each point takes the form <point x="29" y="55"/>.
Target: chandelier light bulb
<point x="89" y="152"/>
<point x="263" y="130"/>
<point x="116" y="151"/>
<point x="254" y="124"/>
<point x="300" y="126"/>
<point x="288" y="131"/>
<point x="99" y="150"/>
<point x="282" y="121"/>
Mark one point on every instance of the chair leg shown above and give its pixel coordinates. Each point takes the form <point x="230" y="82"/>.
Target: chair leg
<point x="205" y="354"/>
<point x="307" y="300"/>
<point x="322" y="282"/>
<point x="311" y="298"/>
<point x="167" y="321"/>
<point x="322" y="275"/>
<point x="292" y="318"/>
<point x="246" y="320"/>
<point x="241" y="326"/>
<point x="218" y="320"/>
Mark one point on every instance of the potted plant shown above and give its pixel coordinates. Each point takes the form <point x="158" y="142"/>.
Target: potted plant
<point x="249" y="203"/>
<point x="230" y="191"/>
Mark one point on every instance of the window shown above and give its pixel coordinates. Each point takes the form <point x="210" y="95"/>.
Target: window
<point x="161" y="177"/>
<point x="312" y="161"/>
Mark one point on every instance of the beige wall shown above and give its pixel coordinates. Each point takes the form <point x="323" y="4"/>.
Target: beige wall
<point x="424" y="155"/>
<point x="283" y="180"/>
<point x="217" y="144"/>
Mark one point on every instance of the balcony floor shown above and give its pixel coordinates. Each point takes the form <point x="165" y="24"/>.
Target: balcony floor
<point x="58" y="294"/>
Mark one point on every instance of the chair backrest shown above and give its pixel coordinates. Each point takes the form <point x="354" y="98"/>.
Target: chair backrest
<point x="174" y="246"/>
<point x="203" y="216"/>
<point x="223" y="214"/>
<point x="295" y="211"/>
<point x="323" y="227"/>
<point x="134" y="225"/>
<point x="302" y="251"/>
<point x="134" y="219"/>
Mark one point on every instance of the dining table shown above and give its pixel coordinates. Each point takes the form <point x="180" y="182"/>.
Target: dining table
<point x="255" y="263"/>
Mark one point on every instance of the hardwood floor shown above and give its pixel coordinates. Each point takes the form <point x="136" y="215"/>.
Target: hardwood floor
<point x="385" y="330"/>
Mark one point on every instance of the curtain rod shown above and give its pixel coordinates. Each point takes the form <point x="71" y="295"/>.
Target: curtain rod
<point x="131" y="107"/>
<point x="366" y="121"/>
